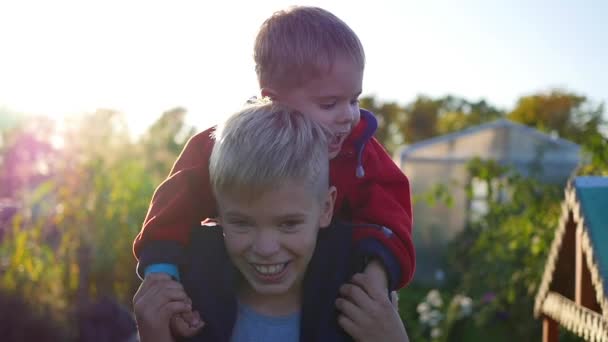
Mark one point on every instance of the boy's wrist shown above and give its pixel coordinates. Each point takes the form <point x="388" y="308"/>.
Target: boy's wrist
<point x="383" y="260"/>
<point x="376" y="270"/>
<point x="165" y="268"/>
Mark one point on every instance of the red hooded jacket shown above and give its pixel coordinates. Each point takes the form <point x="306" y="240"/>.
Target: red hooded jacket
<point x="373" y="193"/>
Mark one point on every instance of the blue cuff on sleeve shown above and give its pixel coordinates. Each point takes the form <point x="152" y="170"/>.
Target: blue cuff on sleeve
<point x="169" y="269"/>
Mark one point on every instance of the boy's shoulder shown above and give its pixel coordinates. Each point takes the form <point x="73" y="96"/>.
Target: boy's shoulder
<point x="206" y="238"/>
<point x="333" y="264"/>
<point x="208" y="277"/>
<point x="205" y="137"/>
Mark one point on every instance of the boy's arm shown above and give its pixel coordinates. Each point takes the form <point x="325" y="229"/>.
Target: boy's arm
<point x="182" y="201"/>
<point x="382" y="200"/>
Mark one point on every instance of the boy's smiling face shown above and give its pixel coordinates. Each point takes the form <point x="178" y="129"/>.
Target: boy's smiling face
<point x="331" y="99"/>
<point x="271" y="238"/>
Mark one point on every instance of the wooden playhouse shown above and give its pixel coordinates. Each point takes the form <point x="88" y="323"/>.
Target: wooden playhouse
<point x="573" y="292"/>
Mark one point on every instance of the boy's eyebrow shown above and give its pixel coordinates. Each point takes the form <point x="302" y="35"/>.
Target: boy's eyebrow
<point x="238" y="215"/>
<point x="333" y="97"/>
<point x="235" y="214"/>
<point x="291" y="216"/>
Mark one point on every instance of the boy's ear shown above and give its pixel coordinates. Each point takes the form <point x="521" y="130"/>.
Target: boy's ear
<point x="327" y="209"/>
<point x="269" y="92"/>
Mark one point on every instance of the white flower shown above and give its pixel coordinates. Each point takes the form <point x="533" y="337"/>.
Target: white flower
<point x="425" y="317"/>
<point x="434" y="318"/>
<point x="434" y="298"/>
<point x="466" y="306"/>
<point x="435" y="332"/>
<point x="463" y="304"/>
<point x="423" y="307"/>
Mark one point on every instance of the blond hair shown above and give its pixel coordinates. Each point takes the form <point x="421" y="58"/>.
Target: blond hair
<point x="266" y="145"/>
<point x="301" y="43"/>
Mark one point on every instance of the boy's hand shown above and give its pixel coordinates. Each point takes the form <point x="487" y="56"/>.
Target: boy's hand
<point x="157" y="300"/>
<point x="367" y="314"/>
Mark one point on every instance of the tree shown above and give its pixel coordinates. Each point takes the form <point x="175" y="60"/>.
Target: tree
<point x="422" y="117"/>
<point x="425" y="118"/>
<point x="458" y="113"/>
<point x="567" y="114"/>
<point x="164" y="140"/>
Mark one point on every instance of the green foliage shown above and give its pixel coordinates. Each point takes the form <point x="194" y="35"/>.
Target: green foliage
<point x="71" y="241"/>
<point x="595" y="148"/>
<point x="439" y="194"/>
<point x="504" y="252"/>
<point x="164" y="141"/>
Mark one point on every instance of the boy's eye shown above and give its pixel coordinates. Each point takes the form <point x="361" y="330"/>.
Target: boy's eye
<point x="354" y="101"/>
<point x="328" y="105"/>
<point x="290" y="225"/>
<point x="239" y="226"/>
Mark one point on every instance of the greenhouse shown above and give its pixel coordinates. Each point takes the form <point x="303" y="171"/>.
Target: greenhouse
<point x="442" y="162"/>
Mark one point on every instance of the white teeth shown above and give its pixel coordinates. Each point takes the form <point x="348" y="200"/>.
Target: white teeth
<point x="269" y="269"/>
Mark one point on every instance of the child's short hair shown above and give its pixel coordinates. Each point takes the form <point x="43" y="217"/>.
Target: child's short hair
<point x="265" y="145"/>
<point x="302" y="43"/>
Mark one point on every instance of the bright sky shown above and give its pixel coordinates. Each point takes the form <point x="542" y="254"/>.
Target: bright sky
<point x="143" y="57"/>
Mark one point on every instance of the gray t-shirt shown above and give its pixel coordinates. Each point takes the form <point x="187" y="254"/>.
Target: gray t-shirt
<point x="251" y="326"/>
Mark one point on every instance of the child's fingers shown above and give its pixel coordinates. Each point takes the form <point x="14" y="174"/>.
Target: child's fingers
<point x="157" y="298"/>
<point x="193" y="329"/>
<point x="349" y="326"/>
<point x="356" y="294"/>
<point x="187" y="324"/>
<point x="153" y="280"/>
<point x="191" y="318"/>
<point x="197" y="316"/>
<point x="363" y="281"/>
<point x="174" y="295"/>
<point x="197" y="320"/>
<point x="173" y="308"/>
<point x="350" y="310"/>
<point x="154" y="285"/>
<point x="159" y="295"/>
<point x="179" y="326"/>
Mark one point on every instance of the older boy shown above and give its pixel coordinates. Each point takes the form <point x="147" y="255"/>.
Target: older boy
<point x="273" y="269"/>
<point x="309" y="60"/>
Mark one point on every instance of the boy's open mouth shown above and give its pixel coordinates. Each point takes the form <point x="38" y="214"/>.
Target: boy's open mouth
<point x="269" y="270"/>
<point x="337" y="138"/>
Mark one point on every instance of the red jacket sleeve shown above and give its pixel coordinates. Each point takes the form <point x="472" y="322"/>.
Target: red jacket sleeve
<point x="383" y="198"/>
<point x="183" y="200"/>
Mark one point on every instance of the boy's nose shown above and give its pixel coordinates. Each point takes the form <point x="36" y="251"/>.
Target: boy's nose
<point x="266" y="244"/>
<point x="346" y="116"/>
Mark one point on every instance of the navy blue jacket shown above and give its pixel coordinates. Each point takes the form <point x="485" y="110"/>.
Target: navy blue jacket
<point x="210" y="279"/>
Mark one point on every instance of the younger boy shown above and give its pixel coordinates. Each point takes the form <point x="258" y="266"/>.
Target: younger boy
<point x="273" y="270"/>
<point x="311" y="61"/>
